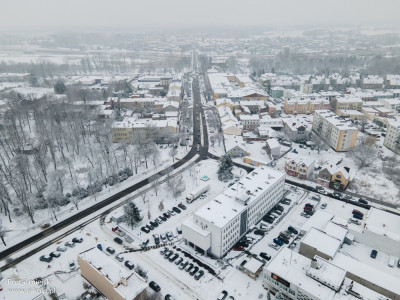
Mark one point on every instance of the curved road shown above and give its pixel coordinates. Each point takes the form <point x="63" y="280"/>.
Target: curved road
<point x="203" y="150"/>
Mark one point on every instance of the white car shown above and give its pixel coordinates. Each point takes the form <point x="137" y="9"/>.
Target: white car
<point x="71" y="265"/>
<point x="275" y="246"/>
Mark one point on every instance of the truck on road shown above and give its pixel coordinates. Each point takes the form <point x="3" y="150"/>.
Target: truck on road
<point x="196" y="193"/>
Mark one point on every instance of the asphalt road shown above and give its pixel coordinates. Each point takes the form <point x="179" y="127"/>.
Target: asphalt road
<point x="197" y="111"/>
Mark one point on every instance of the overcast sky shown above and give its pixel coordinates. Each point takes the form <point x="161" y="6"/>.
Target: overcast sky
<point x="58" y="14"/>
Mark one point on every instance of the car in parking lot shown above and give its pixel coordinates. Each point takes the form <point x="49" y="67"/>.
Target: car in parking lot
<point x="194" y="271"/>
<point x="167" y="215"/>
<point x="363" y="201"/>
<point x="348" y="197"/>
<point x="173" y="257"/>
<point x="170" y="236"/>
<point x="156" y="239"/>
<point x="119" y="257"/>
<point x="150" y="227"/>
<point x="154" y="224"/>
<point x="189" y="267"/>
<point x="199" y="275"/>
<point x="265" y="256"/>
<point x="46" y="258"/>
<point x="163" y="251"/>
<point x="77" y="240"/>
<point x="178" y="261"/>
<point x="145" y="229"/>
<point x="61" y="248"/>
<point x="292" y="229"/>
<point x="177" y="210"/>
<point x="179" y="229"/>
<point x="55" y="254"/>
<point x="110" y="250"/>
<point x="181" y="206"/>
<point x="129" y="264"/>
<point x="373" y="254"/>
<point x="144" y="243"/>
<point x="171" y="212"/>
<point x="169" y="297"/>
<point x="278" y="241"/>
<point x="168" y="254"/>
<point x="303" y="214"/>
<point x="118" y="240"/>
<point x="324" y="205"/>
<point x="69" y="244"/>
<point x="183" y="265"/>
<point x="128" y="239"/>
<point x="163" y="238"/>
<point x="154" y="286"/>
<point x="72" y="265"/>
<point x="163" y="218"/>
<point x="223" y="295"/>
<point x="259" y="232"/>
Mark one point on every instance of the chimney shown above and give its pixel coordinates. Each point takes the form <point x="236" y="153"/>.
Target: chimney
<point x="314" y="263"/>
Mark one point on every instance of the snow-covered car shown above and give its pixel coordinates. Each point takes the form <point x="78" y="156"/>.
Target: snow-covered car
<point x="171" y="212"/>
<point x="69" y="244"/>
<point x="179" y="229"/>
<point x="128" y="239"/>
<point x="46" y="258"/>
<point x="199" y="275"/>
<point x="61" y="248"/>
<point x="170" y="236"/>
<point x="110" y="250"/>
<point x="55" y="254"/>
<point x="274" y="246"/>
<point x="129" y="265"/>
<point x="119" y="257"/>
<point x="163" y="238"/>
<point x="77" y="240"/>
<point x="71" y="265"/>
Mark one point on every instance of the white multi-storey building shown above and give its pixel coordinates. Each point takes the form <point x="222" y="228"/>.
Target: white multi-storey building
<point x="218" y="225"/>
<point x="339" y="133"/>
<point x="392" y="139"/>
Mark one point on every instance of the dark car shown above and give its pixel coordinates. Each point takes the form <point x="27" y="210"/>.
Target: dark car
<point x="150" y="226"/>
<point x="129" y="265"/>
<point x="163" y="218"/>
<point x="193" y="271"/>
<point x="154" y="286"/>
<point x="76" y="240"/>
<point x="55" y="254"/>
<point x="168" y="254"/>
<point x="156" y="239"/>
<point x="189" y="267"/>
<point x="265" y="256"/>
<point x="337" y="195"/>
<point x="373" y="254"/>
<point x="199" y="275"/>
<point x="278" y="242"/>
<point x="153" y="223"/>
<point x="118" y="240"/>
<point x="223" y="295"/>
<point x="169" y="297"/>
<point x="167" y="215"/>
<point x="181" y="206"/>
<point x="355" y="211"/>
<point x="173" y="257"/>
<point x="176" y="210"/>
<point x="292" y="229"/>
<point x="69" y="244"/>
<point x="259" y="232"/>
<point x="46" y="258"/>
<point x="110" y="250"/>
<point x="363" y="201"/>
<point x="357" y="216"/>
<point x="163" y="251"/>
<point x="283" y="239"/>
<point x="145" y="229"/>
<point x="268" y="219"/>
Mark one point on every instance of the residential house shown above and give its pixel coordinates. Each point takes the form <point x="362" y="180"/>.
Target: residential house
<point x="299" y="166"/>
<point x="340" y="179"/>
<point x="392" y="139"/>
<point x="297" y="128"/>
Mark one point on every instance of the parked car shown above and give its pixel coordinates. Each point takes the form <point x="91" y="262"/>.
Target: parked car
<point x="324" y="205"/>
<point x="149" y="226"/>
<point x="181" y="206"/>
<point x="61" y="248"/>
<point x="283" y="239"/>
<point x="46" y="258"/>
<point x="119" y="257"/>
<point x="169" y="297"/>
<point x="118" y="240"/>
<point x="363" y="201"/>
<point x="128" y="238"/>
<point x="129" y="265"/>
<point x="177" y="210"/>
<point x="163" y="251"/>
<point x="171" y="212"/>
<point x="178" y="261"/>
<point x="354" y="221"/>
<point x="158" y="220"/>
<point x="355" y="211"/>
<point x="278" y="241"/>
<point x="163" y="218"/>
<point x="348" y="197"/>
<point x="199" y="275"/>
<point x="292" y="229"/>
<point x="154" y="224"/>
<point x="69" y="244"/>
<point x="77" y="240"/>
<point x="173" y="257"/>
<point x="303" y="214"/>
<point x="55" y="254"/>
<point x="259" y="232"/>
<point x="170" y="236"/>
<point x="189" y="267"/>
<point x="110" y="250"/>
<point x="357" y="216"/>
<point x="72" y="265"/>
<point x="183" y="265"/>
<point x="144" y="243"/>
<point x="373" y="254"/>
<point x="167" y="215"/>
<point x="168" y="254"/>
<point x="194" y="271"/>
<point x="156" y="238"/>
<point x="163" y="238"/>
<point x="265" y="256"/>
<point x="179" y="229"/>
<point x="274" y="246"/>
<point x="238" y="248"/>
<point x="223" y="295"/>
<point x="154" y="286"/>
<point x="145" y="229"/>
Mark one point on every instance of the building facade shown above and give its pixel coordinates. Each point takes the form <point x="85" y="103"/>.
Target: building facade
<point x="392" y="139"/>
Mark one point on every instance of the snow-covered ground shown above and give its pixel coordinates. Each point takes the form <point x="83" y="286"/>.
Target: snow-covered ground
<point x="22" y="228"/>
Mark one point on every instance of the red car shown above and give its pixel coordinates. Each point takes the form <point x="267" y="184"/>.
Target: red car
<point x="238" y="248"/>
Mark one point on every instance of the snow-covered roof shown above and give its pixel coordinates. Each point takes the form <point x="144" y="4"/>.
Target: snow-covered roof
<point x="383" y="223"/>
<point x="351" y="112"/>
<point x="253" y="265"/>
<point x="349" y="99"/>
<point x="292" y="267"/>
<point x="335" y="231"/>
<point x="143" y="123"/>
<point x="334" y="120"/>
<point x="224" y="208"/>
<point x="300" y="159"/>
<point x="344" y="172"/>
<point x="273" y="143"/>
<point x="318" y="220"/>
<point x="249" y="117"/>
<point x="232" y="141"/>
<point x="368" y="273"/>
<point x="321" y="241"/>
<point x="294" y="122"/>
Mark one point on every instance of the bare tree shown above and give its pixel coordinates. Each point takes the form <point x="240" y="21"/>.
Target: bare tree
<point x="143" y="196"/>
<point x="319" y="143"/>
<point x="155" y="183"/>
<point x="364" y="153"/>
<point x="173" y="152"/>
<point x="176" y="184"/>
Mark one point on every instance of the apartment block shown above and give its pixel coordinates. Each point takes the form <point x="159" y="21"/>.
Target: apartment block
<point x="219" y="224"/>
<point x="392" y="139"/>
<point x="338" y="133"/>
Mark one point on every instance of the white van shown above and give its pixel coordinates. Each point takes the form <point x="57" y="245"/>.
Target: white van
<point x="391" y="261"/>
